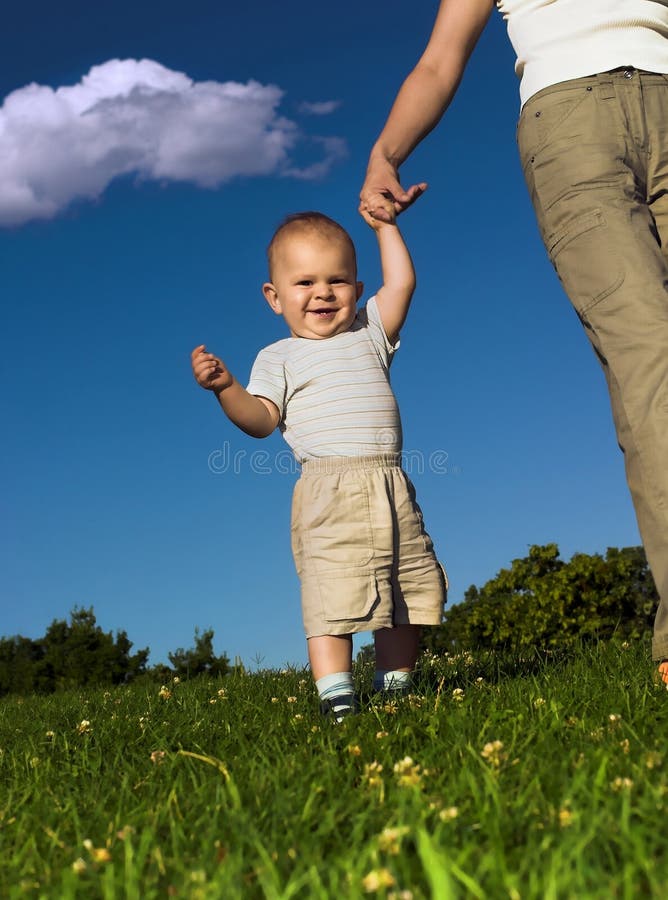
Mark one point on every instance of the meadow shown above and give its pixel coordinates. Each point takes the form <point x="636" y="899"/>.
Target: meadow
<point x="500" y="777"/>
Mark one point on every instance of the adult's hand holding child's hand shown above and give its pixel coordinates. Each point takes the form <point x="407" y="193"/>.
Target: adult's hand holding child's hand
<point x="385" y="215"/>
<point x="382" y="188"/>
<point x="210" y="372"/>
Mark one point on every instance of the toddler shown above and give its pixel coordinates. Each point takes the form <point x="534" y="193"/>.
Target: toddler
<point x="364" y="559"/>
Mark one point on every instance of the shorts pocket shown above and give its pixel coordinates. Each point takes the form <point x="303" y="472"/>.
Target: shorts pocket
<point x="335" y="523"/>
<point x="348" y="598"/>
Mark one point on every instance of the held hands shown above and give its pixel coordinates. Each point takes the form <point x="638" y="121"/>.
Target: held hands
<point x="383" y="217"/>
<point x="210" y="371"/>
<point x="382" y="195"/>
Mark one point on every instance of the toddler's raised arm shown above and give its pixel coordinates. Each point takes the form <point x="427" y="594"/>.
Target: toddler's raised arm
<point x="395" y="294"/>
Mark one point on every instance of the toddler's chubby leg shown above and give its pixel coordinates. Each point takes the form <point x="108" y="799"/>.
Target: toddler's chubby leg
<point x="396" y="654"/>
<point x="331" y="658"/>
<point x="329" y="653"/>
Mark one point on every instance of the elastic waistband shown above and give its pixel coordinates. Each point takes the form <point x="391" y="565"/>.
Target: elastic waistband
<point x="328" y="465"/>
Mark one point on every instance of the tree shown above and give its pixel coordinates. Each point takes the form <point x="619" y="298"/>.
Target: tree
<point x="200" y="659"/>
<point x="69" y="655"/>
<point x="542" y="601"/>
<point x="81" y="653"/>
<point x="19" y="661"/>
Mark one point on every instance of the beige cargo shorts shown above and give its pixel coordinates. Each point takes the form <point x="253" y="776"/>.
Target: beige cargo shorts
<point x="362" y="554"/>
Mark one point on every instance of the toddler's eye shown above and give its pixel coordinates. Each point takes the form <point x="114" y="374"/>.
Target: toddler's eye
<point x="305" y="283"/>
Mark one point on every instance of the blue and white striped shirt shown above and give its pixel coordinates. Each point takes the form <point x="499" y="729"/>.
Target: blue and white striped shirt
<point x="333" y="395"/>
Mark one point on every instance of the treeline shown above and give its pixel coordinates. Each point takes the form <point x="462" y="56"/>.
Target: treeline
<point x="544" y="602"/>
<point x="79" y="653"/>
<point x="540" y="602"/>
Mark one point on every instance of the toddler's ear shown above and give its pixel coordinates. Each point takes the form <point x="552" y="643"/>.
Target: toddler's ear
<point x="271" y="296"/>
<point x="360" y="289"/>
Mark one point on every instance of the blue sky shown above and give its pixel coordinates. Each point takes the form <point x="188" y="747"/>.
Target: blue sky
<point x="109" y="497"/>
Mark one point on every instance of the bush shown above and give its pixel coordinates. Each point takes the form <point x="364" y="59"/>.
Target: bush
<point x="543" y="602"/>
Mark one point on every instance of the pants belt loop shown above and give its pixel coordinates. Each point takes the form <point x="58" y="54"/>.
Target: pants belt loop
<point x="606" y="90"/>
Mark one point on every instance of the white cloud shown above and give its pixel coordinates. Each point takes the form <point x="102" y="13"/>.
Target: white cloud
<point x="136" y="116"/>
<point x="319" y="108"/>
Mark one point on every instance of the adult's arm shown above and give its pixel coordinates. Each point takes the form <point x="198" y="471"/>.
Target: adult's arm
<point x="423" y="98"/>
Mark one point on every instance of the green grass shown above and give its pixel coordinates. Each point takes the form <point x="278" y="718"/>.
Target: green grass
<point x="251" y="794"/>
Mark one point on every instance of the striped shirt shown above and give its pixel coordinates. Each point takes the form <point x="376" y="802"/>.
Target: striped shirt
<point x="333" y="395"/>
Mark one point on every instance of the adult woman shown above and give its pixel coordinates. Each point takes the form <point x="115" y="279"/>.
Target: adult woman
<point x="593" y="139"/>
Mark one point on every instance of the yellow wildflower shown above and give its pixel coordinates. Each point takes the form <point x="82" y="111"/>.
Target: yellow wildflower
<point x="164" y="693"/>
<point x="447" y="815"/>
<point x="389" y="839"/>
<point x="493" y="753"/>
<point x="84" y="727"/>
<point x="354" y="749"/>
<point x="372" y="772"/>
<point x="79" y="866"/>
<point x="565" y="817"/>
<point x="377" y="879"/>
<point x="653" y="759"/>
<point x="407" y="772"/>
<point x="621" y="784"/>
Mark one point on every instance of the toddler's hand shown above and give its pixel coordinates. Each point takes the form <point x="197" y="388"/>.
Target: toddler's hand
<point x="389" y="215"/>
<point x="210" y="372"/>
<point x="381" y="187"/>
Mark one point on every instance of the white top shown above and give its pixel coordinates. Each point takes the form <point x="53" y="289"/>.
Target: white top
<point x="557" y="40"/>
<point x="334" y="395"/>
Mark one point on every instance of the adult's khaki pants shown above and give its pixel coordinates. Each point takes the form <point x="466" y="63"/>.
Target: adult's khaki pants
<point x="595" y="156"/>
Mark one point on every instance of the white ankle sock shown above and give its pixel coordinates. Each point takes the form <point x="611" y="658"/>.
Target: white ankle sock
<point x="391" y="681"/>
<point x="338" y="685"/>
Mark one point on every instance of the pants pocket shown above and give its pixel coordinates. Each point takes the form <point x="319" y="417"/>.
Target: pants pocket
<point x="571" y="143"/>
<point x="545" y="119"/>
<point x="584" y="257"/>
